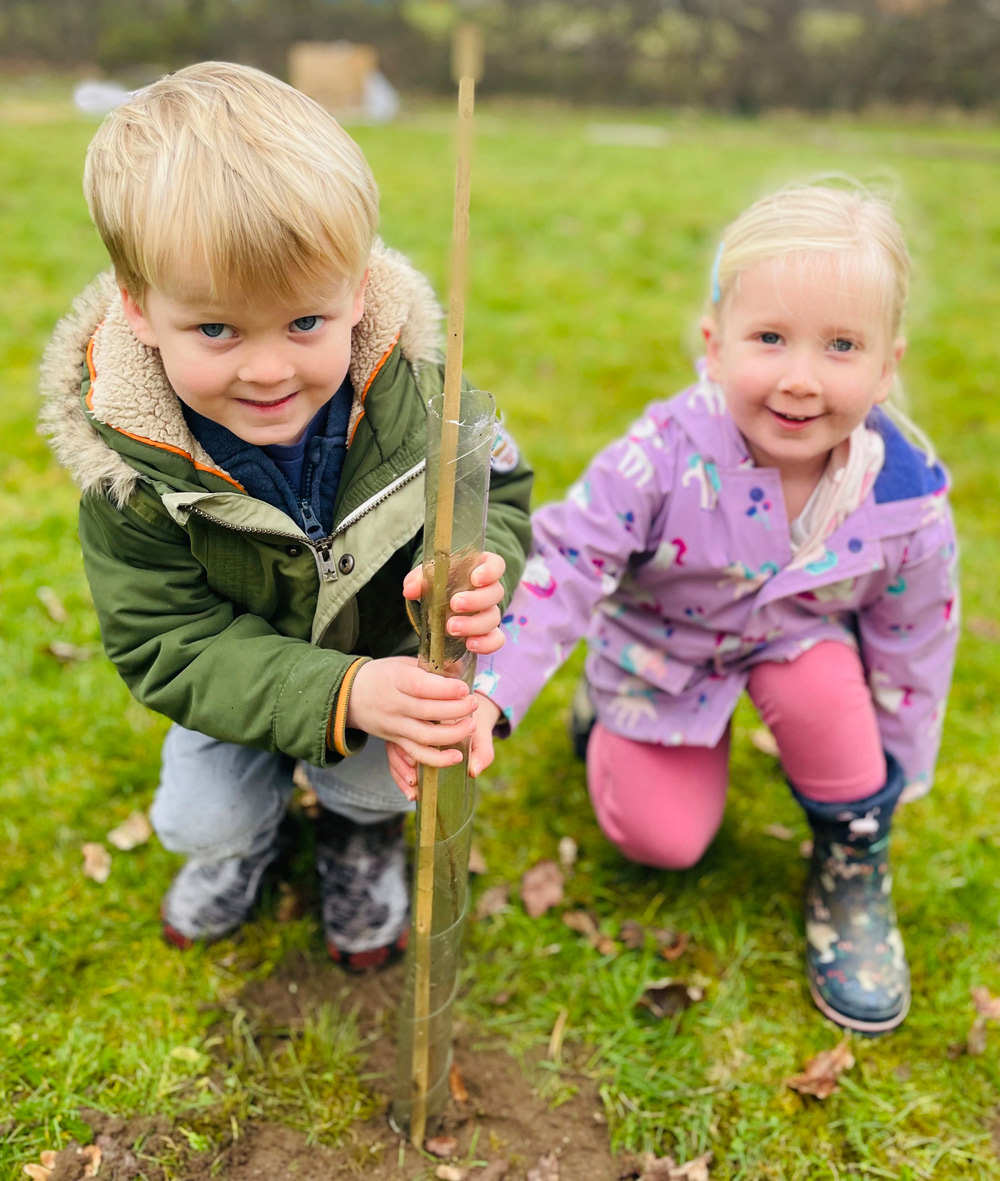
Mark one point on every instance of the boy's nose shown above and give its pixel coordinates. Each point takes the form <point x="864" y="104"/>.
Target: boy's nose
<point x="265" y="367"/>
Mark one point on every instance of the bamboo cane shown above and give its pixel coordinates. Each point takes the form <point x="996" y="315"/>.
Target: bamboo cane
<point x="438" y="590"/>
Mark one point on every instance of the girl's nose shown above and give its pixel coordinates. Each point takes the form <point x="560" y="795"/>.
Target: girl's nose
<point x="799" y="377"/>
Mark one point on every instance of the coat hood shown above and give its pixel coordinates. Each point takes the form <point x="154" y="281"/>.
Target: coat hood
<point x="129" y="391"/>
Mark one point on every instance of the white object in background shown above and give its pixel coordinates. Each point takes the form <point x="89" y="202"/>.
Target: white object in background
<point x="97" y="98"/>
<point x="381" y="98"/>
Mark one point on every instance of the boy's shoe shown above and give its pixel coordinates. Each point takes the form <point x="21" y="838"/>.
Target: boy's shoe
<point x="855" y="960"/>
<point x="581" y="718"/>
<point x="363" y="888"/>
<point x="210" y="899"/>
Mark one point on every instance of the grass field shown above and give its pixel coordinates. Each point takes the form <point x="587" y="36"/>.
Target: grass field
<point x="589" y="266"/>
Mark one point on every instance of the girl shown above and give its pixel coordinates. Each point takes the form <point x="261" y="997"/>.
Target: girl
<point x="769" y="528"/>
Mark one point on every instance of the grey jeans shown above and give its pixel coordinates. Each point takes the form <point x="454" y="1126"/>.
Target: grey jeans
<point x="216" y="799"/>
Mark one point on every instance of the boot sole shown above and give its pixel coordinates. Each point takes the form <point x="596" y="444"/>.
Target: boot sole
<point x="857" y="1023"/>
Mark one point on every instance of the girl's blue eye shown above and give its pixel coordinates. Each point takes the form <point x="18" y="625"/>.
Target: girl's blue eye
<point x="840" y="345"/>
<point x="214" y="331"/>
<point x="769" y="338"/>
<point x="307" y="323"/>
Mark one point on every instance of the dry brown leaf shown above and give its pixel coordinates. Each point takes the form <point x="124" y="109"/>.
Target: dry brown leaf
<point x="48" y="1158"/>
<point x="694" y="1170"/>
<point x="496" y="1170"/>
<point x="93" y="1155"/>
<point x="568" y="850"/>
<point x="133" y="831"/>
<point x="291" y="903"/>
<point x="542" y="888"/>
<point x="675" y="946"/>
<point x="545" y="1169"/>
<point x="975" y="1040"/>
<point x="96" y="861"/>
<point x="37" y="1172"/>
<point x="820" y="1075"/>
<point x="52" y="604"/>
<point x="987" y="1006"/>
<point x="806" y="849"/>
<point x="664" y="998"/>
<point x="492" y="901"/>
<point x="67" y="653"/>
<point x="456" y="1084"/>
<point x="763" y="740"/>
<point x="604" y="944"/>
<point x="441" y="1145"/>
<point x="451" y="1173"/>
<point x="632" y="934"/>
<point x="582" y="921"/>
<point x="477" y="862"/>
<point x="779" y="831"/>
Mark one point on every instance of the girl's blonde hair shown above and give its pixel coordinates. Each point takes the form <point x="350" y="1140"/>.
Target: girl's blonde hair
<point x="844" y="220"/>
<point x="222" y="168"/>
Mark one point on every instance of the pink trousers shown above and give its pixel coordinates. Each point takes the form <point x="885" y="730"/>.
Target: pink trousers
<point x="662" y="805"/>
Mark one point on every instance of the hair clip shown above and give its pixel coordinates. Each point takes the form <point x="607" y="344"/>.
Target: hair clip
<point x="716" y="289"/>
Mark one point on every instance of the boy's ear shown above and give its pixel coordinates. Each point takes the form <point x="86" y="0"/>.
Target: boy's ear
<point x="137" y="321"/>
<point x="884" y="386"/>
<point x="713" y="346"/>
<point x="359" y="300"/>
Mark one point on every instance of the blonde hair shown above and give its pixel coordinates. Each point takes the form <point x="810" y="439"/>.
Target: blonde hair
<point x="222" y="168"/>
<point x="817" y="221"/>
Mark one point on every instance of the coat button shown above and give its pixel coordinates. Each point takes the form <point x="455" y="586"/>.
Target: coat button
<point x="346" y="563"/>
<point x="293" y="551"/>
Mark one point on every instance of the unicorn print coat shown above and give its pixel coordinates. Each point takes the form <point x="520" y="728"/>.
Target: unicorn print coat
<point x="672" y="555"/>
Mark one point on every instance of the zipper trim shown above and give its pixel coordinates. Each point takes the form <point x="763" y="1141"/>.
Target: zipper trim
<point x="383" y="494"/>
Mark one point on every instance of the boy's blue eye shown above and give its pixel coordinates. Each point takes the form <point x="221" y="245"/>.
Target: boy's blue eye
<point x="307" y="323"/>
<point x="214" y="331"/>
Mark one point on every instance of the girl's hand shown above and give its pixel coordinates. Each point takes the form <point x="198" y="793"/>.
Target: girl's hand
<point x="477" y="610"/>
<point x="403" y="767"/>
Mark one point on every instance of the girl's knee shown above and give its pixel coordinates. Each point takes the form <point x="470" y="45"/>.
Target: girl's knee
<point x="662" y="850"/>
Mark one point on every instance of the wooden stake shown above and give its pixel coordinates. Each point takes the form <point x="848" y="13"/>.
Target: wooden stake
<point x="466" y="62"/>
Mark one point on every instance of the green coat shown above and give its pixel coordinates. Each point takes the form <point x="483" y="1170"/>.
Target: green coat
<point x="215" y="607"/>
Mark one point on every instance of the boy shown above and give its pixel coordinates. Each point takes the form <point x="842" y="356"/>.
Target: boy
<point x="239" y="405"/>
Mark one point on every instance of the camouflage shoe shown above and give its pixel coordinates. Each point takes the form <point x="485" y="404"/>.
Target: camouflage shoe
<point x="856" y="964"/>
<point x="210" y="899"/>
<point x="363" y="888"/>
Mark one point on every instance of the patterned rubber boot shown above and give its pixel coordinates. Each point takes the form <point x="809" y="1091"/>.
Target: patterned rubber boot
<point x="856" y="964"/>
<point x="363" y="889"/>
<point x="210" y="899"/>
<point x="581" y="718"/>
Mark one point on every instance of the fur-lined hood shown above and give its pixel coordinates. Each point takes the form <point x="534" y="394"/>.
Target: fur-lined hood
<point x="130" y="392"/>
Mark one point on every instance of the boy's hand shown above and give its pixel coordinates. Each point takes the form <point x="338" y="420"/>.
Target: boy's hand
<point x="403" y="768"/>
<point x="419" y="711"/>
<point x="477" y="610"/>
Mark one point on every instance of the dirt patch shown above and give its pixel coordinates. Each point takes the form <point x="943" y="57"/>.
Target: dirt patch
<point x="504" y="1122"/>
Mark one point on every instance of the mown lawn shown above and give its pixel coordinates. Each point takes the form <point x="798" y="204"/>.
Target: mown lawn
<point x="590" y="264"/>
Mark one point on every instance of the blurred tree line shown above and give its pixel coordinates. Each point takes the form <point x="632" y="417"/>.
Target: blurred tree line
<point x="736" y="55"/>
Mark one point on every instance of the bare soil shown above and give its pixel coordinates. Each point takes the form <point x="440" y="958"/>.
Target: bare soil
<point x="512" y="1129"/>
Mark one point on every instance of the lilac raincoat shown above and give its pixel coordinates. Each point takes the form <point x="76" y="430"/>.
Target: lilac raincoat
<point x="672" y="556"/>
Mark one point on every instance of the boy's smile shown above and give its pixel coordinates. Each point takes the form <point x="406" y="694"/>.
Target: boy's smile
<point x="260" y="368"/>
<point x="802" y="353"/>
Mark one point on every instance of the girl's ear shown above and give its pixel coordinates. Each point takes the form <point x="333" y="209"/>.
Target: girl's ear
<point x="141" y="328"/>
<point x="884" y="386"/>
<point x="713" y="346"/>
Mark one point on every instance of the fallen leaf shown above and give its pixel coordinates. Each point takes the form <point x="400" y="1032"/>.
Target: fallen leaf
<point x="806" y="849"/>
<point x="67" y="653"/>
<point x="820" y="1075"/>
<point x="568" y="850"/>
<point x="541" y="888"/>
<point x="779" y="832"/>
<point x="582" y="921"/>
<point x="441" y="1145"/>
<point x="501" y="998"/>
<point x="763" y="740"/>
<point x="134" y="830"/>
<point x="37" y="1172"/>
<point x="477" y="862"/>
<point x="975" y="1041"/>
<point x="456" y="1084"/>
<point x="492" y="901"/>
<point x="52" y="604"/>
<point x="632" y="934"/>
<point x="675" y="946"/>
<point x="93" y="1155"/>
<point x="604" y="944"/>
<point x="48" y="1158"/>
<point x="664" y="998"/>
<point x="546" y="1169"/>
<point x="495" y="1171"/>
<point x="291" y="903"/>
<point x="450" y="1173"/>
<point x="96" y="861"/>
<point x="987" y="1006"/>
<point x="694" y="1170"/>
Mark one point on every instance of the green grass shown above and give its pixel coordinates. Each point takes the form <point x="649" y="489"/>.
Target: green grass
<point x="589" y="267"/>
